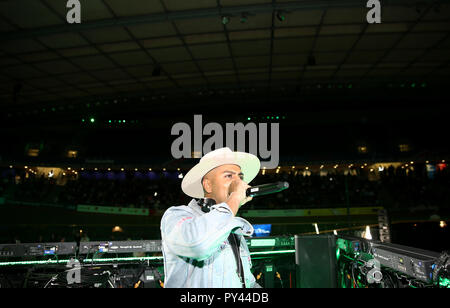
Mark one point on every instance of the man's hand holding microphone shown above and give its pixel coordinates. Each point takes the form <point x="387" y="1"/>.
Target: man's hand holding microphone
<point x="237" y="195"/>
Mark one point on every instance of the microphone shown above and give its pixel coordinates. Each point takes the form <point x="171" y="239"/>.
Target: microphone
<point x="266" y="189"/>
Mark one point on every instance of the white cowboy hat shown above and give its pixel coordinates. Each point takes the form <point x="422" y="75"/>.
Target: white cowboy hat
<point x="192" y="181"/>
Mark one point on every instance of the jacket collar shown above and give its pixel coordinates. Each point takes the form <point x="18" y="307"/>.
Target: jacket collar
<point x="246" y="228"/>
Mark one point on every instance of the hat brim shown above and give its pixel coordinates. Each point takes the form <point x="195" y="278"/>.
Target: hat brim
<point x="192" y="181"/>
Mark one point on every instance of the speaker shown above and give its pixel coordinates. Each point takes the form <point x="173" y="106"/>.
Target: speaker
<point x="315" y="261"/>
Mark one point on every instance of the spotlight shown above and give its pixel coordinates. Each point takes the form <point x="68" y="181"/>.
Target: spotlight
<point x="225" y="20"/>
<point x="280" y="16"/>
<point x="244" y="18"/>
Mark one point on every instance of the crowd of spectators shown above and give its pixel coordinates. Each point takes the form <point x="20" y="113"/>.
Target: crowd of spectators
<point x="393" y="188"/>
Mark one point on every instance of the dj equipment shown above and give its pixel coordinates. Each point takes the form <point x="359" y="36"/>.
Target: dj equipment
<point x="270" y="243"/>
<point x="411" y="261"/>
<point x="369" y="263"/>
<point x="120" y="247"/>
<point x="37" y="249"/>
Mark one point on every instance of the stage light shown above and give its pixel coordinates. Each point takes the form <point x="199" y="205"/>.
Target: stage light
<point x="244" y="18"/>
<point x="92" y="120"/>
<point x="117" y="229"/>
<point x="10" y="166"/>
<point x="121" y="169"/>
<point x="367" y="234"/>
<point x="225" y="20"/>
<point x="316" y="227"/>
<point x="280" y="16"/>
<point x="95" y="169"/>
<point x="109" y="169"/>
<point x="248" y="118"/>
<point x="180" y="176"/>
<point x="442" y="224"/>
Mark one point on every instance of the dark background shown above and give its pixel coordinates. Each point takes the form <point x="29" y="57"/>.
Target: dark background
<point x="335" y="82"/>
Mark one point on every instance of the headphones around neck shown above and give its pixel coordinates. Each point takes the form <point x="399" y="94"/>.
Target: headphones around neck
<point x="205" y="204"/>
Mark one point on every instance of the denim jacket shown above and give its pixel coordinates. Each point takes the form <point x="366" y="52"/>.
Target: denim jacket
<point x="196" y="251"/>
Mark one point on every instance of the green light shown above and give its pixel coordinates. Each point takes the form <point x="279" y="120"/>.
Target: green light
<point x="123" y="259"/>
<point x="33" y="262"/>
<point x="123" y="121"/>
<point x="109" y="121"/>
<point x="350" y="86"/>
<point x="275" y="252"/>
<point x="262" y="242"/>
<point x="278" y="118"/>
<point x="51" y="261"/>
<point x="120" y="121"/>
<point x="92" y="120"/>
<point x="82" y="120"/>
<point x="268" y="118"/>
<point x="338" y="253"/>
<point x="248" y="118"/>
<point x="444" y="282"/>
<point x="413" y="85"/>
<point x="271" y="118"/>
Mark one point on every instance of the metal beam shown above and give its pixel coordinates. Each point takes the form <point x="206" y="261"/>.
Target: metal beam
<point x="194" y="14"/>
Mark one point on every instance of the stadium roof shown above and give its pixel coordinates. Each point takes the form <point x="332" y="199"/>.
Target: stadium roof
<point x="159" y="49"/>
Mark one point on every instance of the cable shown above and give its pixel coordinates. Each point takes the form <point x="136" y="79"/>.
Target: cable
<point x="279" y="277"/>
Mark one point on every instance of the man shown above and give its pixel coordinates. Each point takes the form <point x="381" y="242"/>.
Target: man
<point x="198" y="241"/>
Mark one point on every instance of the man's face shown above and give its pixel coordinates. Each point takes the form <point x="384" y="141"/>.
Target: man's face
<point x="217" y="181"/>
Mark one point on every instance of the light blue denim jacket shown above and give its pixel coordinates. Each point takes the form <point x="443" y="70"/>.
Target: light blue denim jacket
<point x="196" y="250"/>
